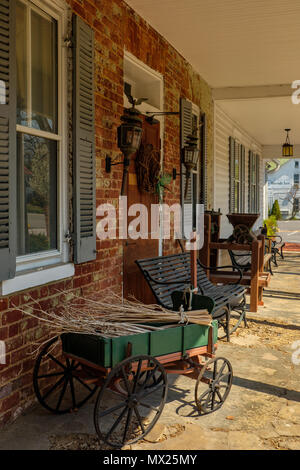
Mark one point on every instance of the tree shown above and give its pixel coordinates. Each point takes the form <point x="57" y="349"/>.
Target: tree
<point x="276" y="210"/>
<point x="291" y="197"/>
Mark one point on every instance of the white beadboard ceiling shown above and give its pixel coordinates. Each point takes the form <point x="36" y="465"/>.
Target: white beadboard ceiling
<point x="231" y="42"/>
<point x="266" y="119"/>
<point x="238" y="43"/>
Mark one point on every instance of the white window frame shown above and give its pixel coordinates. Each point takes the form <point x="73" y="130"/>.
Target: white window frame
<point x="146" y="107"/>
<point x="49" y="266"/>
<point x="57" y="9"/>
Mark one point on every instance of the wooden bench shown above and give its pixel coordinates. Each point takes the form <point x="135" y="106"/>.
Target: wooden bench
<point x="242" y="259"/>
<point x="276" y="247"/>
<point x="167" y="274"/>
<point x="255" y="278"/>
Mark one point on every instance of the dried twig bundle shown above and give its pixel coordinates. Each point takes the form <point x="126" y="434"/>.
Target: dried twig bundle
<point x="111" y="317"/>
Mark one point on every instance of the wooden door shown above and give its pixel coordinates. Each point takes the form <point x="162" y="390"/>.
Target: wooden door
<point x="134" y="282"/>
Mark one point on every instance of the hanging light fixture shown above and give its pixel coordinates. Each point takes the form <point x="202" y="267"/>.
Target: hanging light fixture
<point x="190" y="157"/>
<point x="287" y="148"/>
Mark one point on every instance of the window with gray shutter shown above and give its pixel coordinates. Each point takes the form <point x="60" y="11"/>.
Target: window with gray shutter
<point x="237" y="172"/>
<point x="231" y="175"/>
<point x="84" y="178"/>
<point x="203" y="163"/>
<point x="254" y="182"/>
<point x="7" y="140"/>
<point x="186" y="128"/>
<point x="257" y="184"/>
<point x="243" y="179"/>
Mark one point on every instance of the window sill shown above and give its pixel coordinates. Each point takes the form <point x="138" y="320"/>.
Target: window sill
<point x="37" y="278"/>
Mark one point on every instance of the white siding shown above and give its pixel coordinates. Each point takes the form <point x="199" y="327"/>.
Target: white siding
<point x="224" y="128"/>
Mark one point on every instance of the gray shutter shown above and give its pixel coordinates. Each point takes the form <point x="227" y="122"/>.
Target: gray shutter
<point x="186" y="128"/>
<point x="203" y="189"/>
<point x="250" y="189"/>
<point x="84" y="177"/>
<point x="231" y="175"/>
<point x="243" y="178"/>
<point x="257" y="184"/>
<point x="8" y="183"/>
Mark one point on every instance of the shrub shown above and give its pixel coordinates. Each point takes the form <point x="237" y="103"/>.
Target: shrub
<point x="272" y="226"/>
<point x="276" y="210"/>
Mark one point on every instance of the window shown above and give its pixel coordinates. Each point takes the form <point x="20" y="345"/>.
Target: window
<point x="254" y="192"/>
<point x="296" y="178"/>
<point x="237" y="176"/>
<point x="39" y="134"/>
<point x="34" y="127"/>
<point x="296" y="205"/>
<point x="296" y="164"/>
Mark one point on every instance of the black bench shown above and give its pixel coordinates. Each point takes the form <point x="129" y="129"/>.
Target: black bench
<point x="167" y="274"/>
<point x="277" y="247"/>
<point x="242" y="259"/>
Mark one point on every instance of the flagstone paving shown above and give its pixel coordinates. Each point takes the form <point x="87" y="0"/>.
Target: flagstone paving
<point x="261" y="412"/>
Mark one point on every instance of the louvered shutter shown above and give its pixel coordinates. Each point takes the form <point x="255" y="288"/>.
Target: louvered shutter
<point x="231" y="175"/>
<point x="203" y="188"/>
<point x="243" y="178"/>
<point x="84" y="177"/>
<point x="250" y="190"/>
<point x="186" y="128"/>
<point x="257" y="196"/>
<point x="8" y="183"/>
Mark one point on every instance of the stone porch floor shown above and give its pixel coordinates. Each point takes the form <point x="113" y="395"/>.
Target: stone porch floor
<point x="261" y="412"/>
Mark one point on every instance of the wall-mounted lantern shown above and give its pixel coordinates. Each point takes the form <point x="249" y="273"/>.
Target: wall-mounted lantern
<point x="287" y="148"/>
<point x="190" y="158"/>
<point x="129" y="141"/>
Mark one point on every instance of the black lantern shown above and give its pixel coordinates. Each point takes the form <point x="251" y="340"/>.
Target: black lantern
<point x="190" y="157"/>
<point x="129" y="140"/>
<point x="287" y="148"/>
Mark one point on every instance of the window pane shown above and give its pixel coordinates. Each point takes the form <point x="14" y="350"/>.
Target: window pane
<point x="37" y="194"/>
<point x="22" y="117"/>
<point x="44" y="72"/>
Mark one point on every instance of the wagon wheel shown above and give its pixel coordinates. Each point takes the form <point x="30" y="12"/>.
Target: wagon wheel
<point x="58" y="382"/>
<point x="129" y="404"/>
<point x="213" y="385"/>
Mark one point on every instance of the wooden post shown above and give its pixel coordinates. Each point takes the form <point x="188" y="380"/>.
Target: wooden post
<point x="254" y="291"/>
<point x="204" y="253"/>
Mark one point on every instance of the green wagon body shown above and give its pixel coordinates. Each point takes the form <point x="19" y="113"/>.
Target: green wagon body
<point x="108" y="353"/>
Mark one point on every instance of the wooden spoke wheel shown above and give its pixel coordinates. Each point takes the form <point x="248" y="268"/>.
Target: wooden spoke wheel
<point x="130" y="401"/>
<point x="59" y="381"/>
<point x="213" y="385"/>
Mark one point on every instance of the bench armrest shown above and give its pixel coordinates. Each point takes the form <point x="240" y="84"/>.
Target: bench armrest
<point x="234" y="268"/>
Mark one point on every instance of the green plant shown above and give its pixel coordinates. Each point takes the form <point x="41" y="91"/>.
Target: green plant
<point x="164" y="180"/>
<point x="272" y="225"/>
<point x="276" y="210"/>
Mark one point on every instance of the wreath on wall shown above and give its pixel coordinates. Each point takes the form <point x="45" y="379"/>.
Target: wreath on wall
<point x="147" y="166"/>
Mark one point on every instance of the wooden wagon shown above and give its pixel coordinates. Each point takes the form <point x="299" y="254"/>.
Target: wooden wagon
<point x="130" y="373"/>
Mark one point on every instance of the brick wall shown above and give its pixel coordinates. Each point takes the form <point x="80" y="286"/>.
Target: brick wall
<point x="116" y="27"/>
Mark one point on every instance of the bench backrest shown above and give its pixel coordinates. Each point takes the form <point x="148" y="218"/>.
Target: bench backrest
<point x="172" y="268"/>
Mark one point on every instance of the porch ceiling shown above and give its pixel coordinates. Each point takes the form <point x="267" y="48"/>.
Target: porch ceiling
<point x="231" y="42"/>
<point x="266" y="119"/>
<point x="244" y="49"/>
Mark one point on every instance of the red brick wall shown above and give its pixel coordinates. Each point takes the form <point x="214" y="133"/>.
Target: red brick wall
<point x="116" y="27"/>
